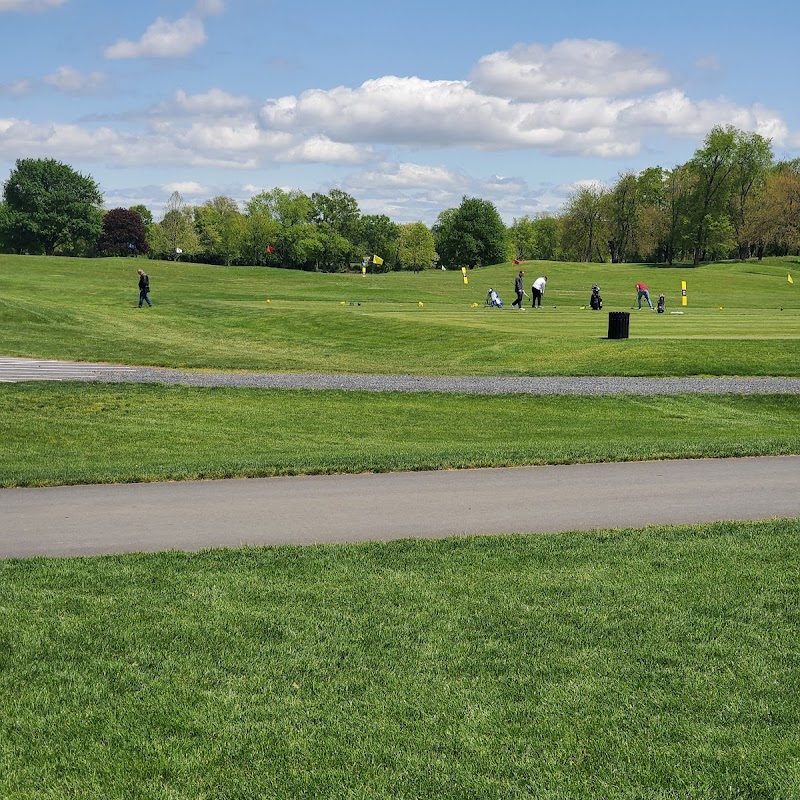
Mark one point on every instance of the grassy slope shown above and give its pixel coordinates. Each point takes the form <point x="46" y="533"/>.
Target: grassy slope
<point x="213" y="317"/>
<point x="659" y="663"/>
<point x="632" y="664"/>
<point x="76" y="433"/>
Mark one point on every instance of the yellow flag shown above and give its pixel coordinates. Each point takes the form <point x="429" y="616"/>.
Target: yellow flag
<point x="377" y="260"/>
<point x="790" y="279"/>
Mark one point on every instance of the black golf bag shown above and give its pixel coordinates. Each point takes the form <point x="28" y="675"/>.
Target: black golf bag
<point x="596" y="302"/>
<point x="662" y="304"/>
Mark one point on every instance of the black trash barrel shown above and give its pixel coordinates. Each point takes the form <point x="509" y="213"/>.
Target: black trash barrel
<point x="618" y="324"/>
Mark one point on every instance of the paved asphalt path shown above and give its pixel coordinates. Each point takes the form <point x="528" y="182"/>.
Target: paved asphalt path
<point x="99" y="519"/>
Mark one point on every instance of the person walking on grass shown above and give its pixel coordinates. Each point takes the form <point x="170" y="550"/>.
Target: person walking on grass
<point x="519" y="289"/>
<point x="537" y="290"/>
<point x="643" y="291"/>
<point x="144" y="288"/>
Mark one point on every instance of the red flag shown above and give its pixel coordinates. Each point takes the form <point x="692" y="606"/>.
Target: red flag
<point x="270" y="248"/>
<point x="516" y="261"/>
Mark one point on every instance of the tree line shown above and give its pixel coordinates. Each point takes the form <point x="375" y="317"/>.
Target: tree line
<point x="731" y="199"/>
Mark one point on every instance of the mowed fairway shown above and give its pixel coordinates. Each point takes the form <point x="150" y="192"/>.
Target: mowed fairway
<point x="98" y="433"/>
<point x="218" y="318"/>
<point x="628" y="664"/>
<point x="742" y="319"/>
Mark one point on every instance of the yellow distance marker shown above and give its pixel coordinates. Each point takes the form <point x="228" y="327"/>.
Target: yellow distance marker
<point x="269" y="301"/>
<point x="683" y="293"/>
<point x="421" y="304"/>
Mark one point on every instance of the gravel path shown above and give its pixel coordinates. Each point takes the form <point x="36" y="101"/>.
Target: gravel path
<point x="18" y="369"/>
<point x="409" y="383"/>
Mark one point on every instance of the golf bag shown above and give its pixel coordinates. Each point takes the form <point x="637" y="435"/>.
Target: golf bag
<point x="493" y="300"/>
<point x="596" y="302"/>
<point x="662" y="304"/>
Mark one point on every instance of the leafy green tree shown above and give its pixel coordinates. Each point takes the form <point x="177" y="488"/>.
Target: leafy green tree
<point x="285" y="208"/>
<point x="523" y="238"/>
<point x="282" y="221"/>
<point x="585" y="233"/>
<point x="338" y="209"/>
<point x="6" y="234"/>
<point x="775" y="216"/>
<point x="123" y="233"/>
<point x="417" y="249"/>
<point x="622" y="217"/>
<point x="679" y="183"/>
<point x="547" y="231"/>
<point x="175" y="235"/>
<point x="378" y="235"/>
<point x="753" y="161"/>
<point x="652" y="215"/>
<point x="145" y="213"/>
<point x="712" y="167"/>
<point x="51" y="206"/>
<point x="472" y="234"/>
<point x="332" y="250"/>
<point x="720" y="237"/>
<point x="259" y="232"/>
<point x="220" y="229"/>
<point x="337" y="216"/>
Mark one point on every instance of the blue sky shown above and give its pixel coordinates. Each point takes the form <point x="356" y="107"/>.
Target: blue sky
<point x="407" y="106"/>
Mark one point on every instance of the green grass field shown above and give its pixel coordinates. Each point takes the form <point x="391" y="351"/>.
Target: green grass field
<point x="742" y="319"/>
<point x="78" y="433"/>
<point x="632" y="664"/>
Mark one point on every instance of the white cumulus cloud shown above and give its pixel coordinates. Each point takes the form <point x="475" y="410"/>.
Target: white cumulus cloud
<point x="191" y="188"/>
<point x="676" y="114"/>
<point x="213" y="102"/>
<point x="71" y="81"/>
<point x="166" y="38"/>
<point x="317" y="149"/>
<point x="407" y="175"/>
<point x="413" y="112"/>
<point x="570" y="68"/>
<point x="163" y="39"/>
